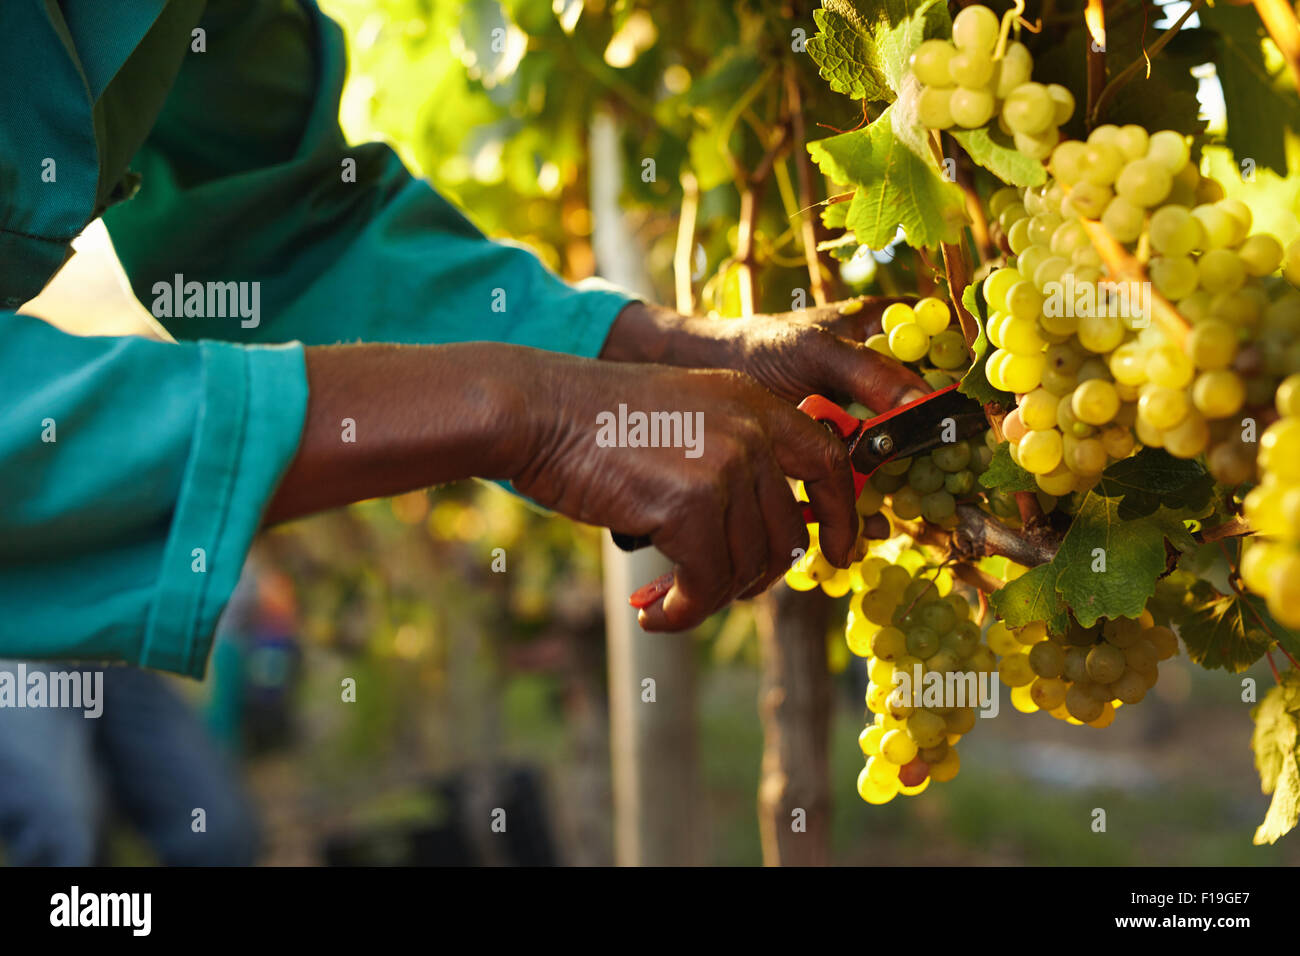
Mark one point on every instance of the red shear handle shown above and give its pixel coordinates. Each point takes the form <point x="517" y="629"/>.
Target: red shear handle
<point x="822" y="409"/>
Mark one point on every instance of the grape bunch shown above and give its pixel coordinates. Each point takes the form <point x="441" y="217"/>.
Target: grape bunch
<point x="908" y="623"/>
<point x="964" y="83"/>
<point x="1270" y="564"/>
<point x="928" y="486"/>
<point x="1083" y="675"/>
<point x="1094" y="376"/>
<point x="920" y="333"/>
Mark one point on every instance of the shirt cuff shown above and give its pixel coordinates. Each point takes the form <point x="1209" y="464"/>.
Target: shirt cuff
<point x="248" y="430"/>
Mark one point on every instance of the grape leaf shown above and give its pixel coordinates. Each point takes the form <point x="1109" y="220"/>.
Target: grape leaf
<point x="1005" y="475"/>
<point x="1152" y="478"/>
<point x="999" y="156"/>
<point x="834" y="215"/>
<point x="1032" y="597"/>
<point x="974" y="383"/>
<point x="1108" y="566"/>
<point x="1277" y="729"/>
<point x="1259" y="108"/>
<point x="862" y="50"/>
<point x="1284" y="808"/>
<point x="895" y="187"/>
<point x="845" y="52"/>
<point x="1229" y="631"/>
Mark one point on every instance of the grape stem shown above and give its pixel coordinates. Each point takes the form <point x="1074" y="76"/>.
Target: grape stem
<point x="1124" y="267"/>
<point x="1031" y="513"/>
<point x="1124" y="76"/>
<point x="980" y="535"/>
<point x="1273" y="667"/>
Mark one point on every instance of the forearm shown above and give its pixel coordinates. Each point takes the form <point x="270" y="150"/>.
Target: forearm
<point x="385" y="419"/>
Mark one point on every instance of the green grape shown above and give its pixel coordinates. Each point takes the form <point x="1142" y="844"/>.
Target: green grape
<point x="1123" y="220"/>
<point x="1173" y="276"/>
<point x="1030" y="260"/>
<point x="1242" y="307"/>
<point x="1020" y="336"/>
<point x="997" y="285"/>
<point x="1048" y="692"/>
<point x="1169" y="149"/>
<point x="1239" y="212"/>
<point x="1128" y="364"/>
<point x="1015" y="68"/>
<point x="1018" y="236"/>
<point x="1218" y="394"/>
<point x="953" y="456"/>
<point x="1002" y="198"/>
<point x="1089" y="200"/>
<point x="1144" y="182"/>
<point x="1218" y="228"/>
<point x="1102" y="163"/>
<point x="1095" y="402"/>
<point x="1014" y="670"/>
<point x="1040" y="451"/>
<point x="1022" y="373"/>
<point x="924" y="476"/>
<point x="1287" y="398"/>
<point x="1162" y="408"/>
<point x="1042" y="227"/>
<point x="888" y="643"/>
<point x="1105" y="663"/>
<point x="926" y="728"/>
<point x="934" y="107"/>
<point x="1169" y="366"/>
<point x="1037" y="145"/>
<point x="906" y="503"/>
<point x="1038" y="409"/>
<point x="973" y="70"/>
<point x="1212" y="344"/>
<point x="879" y="343"/>
<point x="1105" y="133"/>
<point x="909" y="342"/>
<point x="1069" y="238"/>
<point x="1062" y="103"/>
<point x="1220" y="270"/>
<point x="897" y="747"/>
<point x="932" y="315"/>
<point x="948" y="350"/>
<point x="1024" y="302"/>
<point x="1174" y="231"/>
<point x="959" y="483"/>
<point x="1067" y="161"/>
<point x="1100" y="333"/>
<point x="1049" y="271"/>
<point x="1261" y="255"/>
<point x="1132" y="141"/>
<point x="939" y="616"/>
<point x="930" y="63"/>
<point x="1028" y="108"/>
<point x="1047" y="659"/>
<point x="971" y="108"/>
<point x="938" y="506"/>
<point x="976" y="29"/>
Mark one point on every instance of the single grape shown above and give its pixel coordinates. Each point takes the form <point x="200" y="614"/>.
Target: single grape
<point x="1189" y="437"/>
<point x="997" y="285"/>
<point x="1144" y="182"/>
<point x="1174" y="276"/>
<point x="948" y="350"/>
<point x="1100" y="333"/>
<point x="1169" y="149"/>
<point x="1037" y="145"/>
<point x="1040" y="451"/>
<point x="1261" y="255"/>
<point x="1132" y="141"/>
<point x="1015" y="68"/>
<point x="976" y="29"/>
<point x="930" y="63"/>
<point x="1239" y="212"/>
<point x="1105" y="663"/>
<point x="1218" y="394"/>
<point x="1089" y="200"/>
<point x="1022" y="373"/>
<point x="1220" y="270"/>
<point x="1067" y="162"/>
<point x="932" y="315"/>
<point x="934" y="107"/>
<point x="909" y="342"/>
<point x="1029" y="108"/>
<point x="971" y="108"/>
<point x="1062" y="103"/>
<point x="1095" y="402"/>
<point x="896" y="314"/>
<point x="1018" y="236"/>
<point x="1047" y="659"/>
<point x="1123" y="219"/>
<point x="1217" y="227"/>
<point x="972" y="69"/>
<point x="1174" y="231"/>
<point x="1102" y="163"/>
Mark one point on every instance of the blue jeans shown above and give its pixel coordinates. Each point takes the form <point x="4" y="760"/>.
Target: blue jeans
<point x="147" y="757"/>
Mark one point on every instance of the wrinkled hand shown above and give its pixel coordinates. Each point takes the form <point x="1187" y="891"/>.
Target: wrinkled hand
<point x="726" y="518"/>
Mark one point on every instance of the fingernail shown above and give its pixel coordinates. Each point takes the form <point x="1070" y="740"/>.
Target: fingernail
<point x="912" y="394"/>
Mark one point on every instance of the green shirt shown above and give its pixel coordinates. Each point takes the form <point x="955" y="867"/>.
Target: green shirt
<point x="134" y="473"/>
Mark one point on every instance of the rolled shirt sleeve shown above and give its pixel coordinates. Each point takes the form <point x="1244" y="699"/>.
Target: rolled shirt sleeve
<point x="133" y="477"/>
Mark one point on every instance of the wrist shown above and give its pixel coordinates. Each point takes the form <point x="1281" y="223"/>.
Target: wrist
<point x="644" y="332"/>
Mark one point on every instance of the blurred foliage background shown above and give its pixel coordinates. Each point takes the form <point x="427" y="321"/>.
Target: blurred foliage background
<point x="465" y="671"/>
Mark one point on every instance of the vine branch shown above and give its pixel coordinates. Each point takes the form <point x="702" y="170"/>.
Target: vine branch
<point x="1130" y="71"/>
<point x="980" y="535"/>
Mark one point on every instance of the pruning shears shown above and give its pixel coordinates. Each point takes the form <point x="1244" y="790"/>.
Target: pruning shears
<point x="918" y="427"/>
